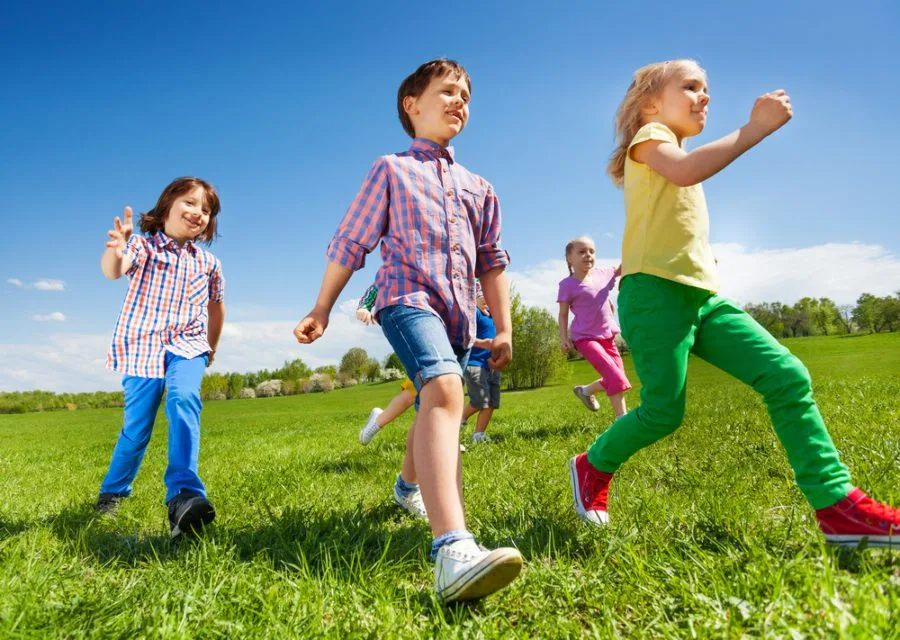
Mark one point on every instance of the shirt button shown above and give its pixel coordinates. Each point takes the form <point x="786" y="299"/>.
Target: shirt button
<point x="450" y="193"/>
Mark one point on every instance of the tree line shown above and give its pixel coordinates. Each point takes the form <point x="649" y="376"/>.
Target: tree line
<point x="822" y="317"/>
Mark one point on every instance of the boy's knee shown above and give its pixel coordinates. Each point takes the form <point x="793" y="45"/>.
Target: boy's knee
<point x="444" y="389"/>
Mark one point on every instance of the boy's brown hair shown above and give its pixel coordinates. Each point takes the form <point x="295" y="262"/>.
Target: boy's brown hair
<point x="155" y="219"/>
<point x="416" y="83"/>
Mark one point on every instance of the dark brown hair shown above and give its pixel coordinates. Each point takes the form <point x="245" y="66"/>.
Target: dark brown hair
<point x="155" y="219"/>
<point x="416" y="83"/>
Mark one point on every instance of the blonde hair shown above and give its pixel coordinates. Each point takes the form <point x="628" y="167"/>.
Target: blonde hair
<point x="571" y="245"/>
<point x="647" y="83"/>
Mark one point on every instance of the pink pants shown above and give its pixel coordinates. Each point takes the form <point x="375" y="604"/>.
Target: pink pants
<point x="604" y="356"/>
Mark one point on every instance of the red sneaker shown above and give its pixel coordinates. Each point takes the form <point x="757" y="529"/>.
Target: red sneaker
<point x="858" y="518"/>
<point x="590" y="488"/>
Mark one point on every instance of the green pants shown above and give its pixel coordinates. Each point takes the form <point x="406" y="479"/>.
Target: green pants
<point x="662" y="322"/>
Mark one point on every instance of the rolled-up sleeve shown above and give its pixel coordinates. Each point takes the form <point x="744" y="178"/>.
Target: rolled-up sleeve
<point x="136" y="251"/>
<point x="365" y="220"/>
<point x="489" y="254"/>
<point x="216" y="283"/>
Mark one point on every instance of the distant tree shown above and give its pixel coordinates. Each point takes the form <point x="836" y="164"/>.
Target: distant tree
<point x="236" y="382"/>
<point x="373" y="370"/>
<point x="866" y="312"/>
<point x="825" y="316"/>
<point x="845" y="317"/>
<point x="887" y="313"/>
<point x="536" y="353"/>
<point x="293" y="370"/>
<point x="355" y="363"/>
<point x="327" y="370"/>
<point x="393" y="362"/>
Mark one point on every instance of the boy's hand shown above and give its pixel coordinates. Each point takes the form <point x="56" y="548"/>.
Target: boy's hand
<point x="365" y="316"/>
<point x="565" y="346"/>
<point x="311" y="327"/>
<point x="210" y="357"/>
<point x="119" y="234"/>
<point x="771" y="111"/>
<point x="501" y="351"/>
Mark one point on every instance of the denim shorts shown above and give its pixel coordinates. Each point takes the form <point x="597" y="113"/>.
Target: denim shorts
<point x="419" y="338"/>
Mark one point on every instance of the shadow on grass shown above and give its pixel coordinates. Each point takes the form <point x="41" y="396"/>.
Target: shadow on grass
<point x="336" y="545"/>
<point x="10" y="529"/>
<point x="100" y="537"/>
<point x="543" y="433"/>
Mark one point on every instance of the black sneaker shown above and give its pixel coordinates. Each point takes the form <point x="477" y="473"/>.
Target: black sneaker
<point x="189" y="513"/>
<point x="108" y="503"/>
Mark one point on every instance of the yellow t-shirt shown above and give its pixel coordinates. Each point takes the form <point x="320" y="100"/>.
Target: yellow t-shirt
<point x="666" y="226"/>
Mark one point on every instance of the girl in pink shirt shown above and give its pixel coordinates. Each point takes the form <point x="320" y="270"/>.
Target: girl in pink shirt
<point x="586" y="292"/>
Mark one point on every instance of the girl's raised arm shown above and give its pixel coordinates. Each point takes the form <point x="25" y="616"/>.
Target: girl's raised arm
<point x="770" y="112"/>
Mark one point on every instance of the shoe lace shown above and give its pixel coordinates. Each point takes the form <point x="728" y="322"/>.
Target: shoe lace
<point x="887" y="515"/>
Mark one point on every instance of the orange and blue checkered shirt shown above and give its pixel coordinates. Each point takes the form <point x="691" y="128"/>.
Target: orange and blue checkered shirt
<point x="439" y="227"/>
<point x="165" y="308"/>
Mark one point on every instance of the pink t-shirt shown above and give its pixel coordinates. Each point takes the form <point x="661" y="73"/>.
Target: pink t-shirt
<point x="589" y="302"/>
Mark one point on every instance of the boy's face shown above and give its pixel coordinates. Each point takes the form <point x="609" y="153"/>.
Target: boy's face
<point x="188" y="216"/>
<point x="442" y="111"/>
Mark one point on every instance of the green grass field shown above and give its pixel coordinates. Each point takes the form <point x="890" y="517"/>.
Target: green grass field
<point x="709" y="536"/>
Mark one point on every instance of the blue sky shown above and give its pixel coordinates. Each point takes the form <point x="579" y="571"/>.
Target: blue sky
<point x="285" y="107"/>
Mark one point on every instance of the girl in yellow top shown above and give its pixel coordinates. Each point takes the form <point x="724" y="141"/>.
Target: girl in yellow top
<point x="669" y="307"/>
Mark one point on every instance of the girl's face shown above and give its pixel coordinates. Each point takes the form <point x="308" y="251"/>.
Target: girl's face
<point x="683" y="103"/>
<point x="581" y="256"/>
<point x="188" y="216"/>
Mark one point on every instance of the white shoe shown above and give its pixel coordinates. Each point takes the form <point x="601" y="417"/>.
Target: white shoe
<point x="587" y="398"/>
<point x="412" y="503"/>
<point x="465" y="571"/>
<point x="371" y="429"/>
<point x="479" y="437"/>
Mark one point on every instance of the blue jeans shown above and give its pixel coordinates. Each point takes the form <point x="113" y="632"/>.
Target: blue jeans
<point x="142" y="398"/>
<point x="419" y="338"/>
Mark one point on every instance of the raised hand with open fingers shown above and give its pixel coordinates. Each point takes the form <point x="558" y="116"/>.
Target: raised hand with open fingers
<point x="772" y="110"/>
<point x="119" y="234"/>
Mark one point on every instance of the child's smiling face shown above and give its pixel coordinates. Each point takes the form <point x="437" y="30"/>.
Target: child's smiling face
<point x="442" y="111"/>
<point x="188" y="216"/>
<point x="682" y="104"/>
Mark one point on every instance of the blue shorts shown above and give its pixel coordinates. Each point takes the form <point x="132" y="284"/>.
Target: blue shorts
<point x="419" y="338"/>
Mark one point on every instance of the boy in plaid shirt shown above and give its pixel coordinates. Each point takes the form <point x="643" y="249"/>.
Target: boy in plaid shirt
<point x="439" y="227"/>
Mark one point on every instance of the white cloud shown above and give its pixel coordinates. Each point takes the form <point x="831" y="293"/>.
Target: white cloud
<point x="56" y="316"/>
<point x="254" y="345"/>
<point x="60" y="362"/>
<point x="50" y="285"/>
<point x="840" y="271"/>
<point x="15" y="282"/>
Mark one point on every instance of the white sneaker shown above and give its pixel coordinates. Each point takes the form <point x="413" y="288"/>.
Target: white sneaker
<point x="465" y="571"/>
<point x="371" y="429"/>
<point x="479" y="437"/>
<point x="412" y="503"/>
<point x="587" y="398"/>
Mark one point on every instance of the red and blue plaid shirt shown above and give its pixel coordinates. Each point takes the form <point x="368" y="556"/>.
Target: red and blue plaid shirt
<point x="439" y="227"/>
<point x="165" y="308"/>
